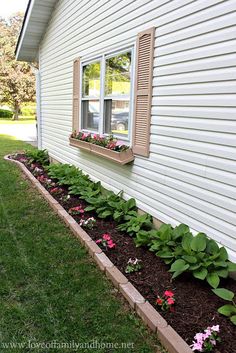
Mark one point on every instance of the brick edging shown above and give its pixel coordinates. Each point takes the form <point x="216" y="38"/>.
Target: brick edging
<point x="166" y="334"/>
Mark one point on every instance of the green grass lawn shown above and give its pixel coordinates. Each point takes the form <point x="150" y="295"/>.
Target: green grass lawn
<point x="22" y="120"/>
<point x="50" y="289"/>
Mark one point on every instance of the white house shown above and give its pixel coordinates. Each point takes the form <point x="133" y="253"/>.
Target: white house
<point x="159" y="74"/>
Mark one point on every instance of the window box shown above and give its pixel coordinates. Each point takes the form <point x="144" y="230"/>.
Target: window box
<point x="122" y="157"/>
<point x="80" y="144"/>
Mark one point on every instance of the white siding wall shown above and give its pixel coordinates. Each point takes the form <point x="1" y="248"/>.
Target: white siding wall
<point x="190" y="176"/>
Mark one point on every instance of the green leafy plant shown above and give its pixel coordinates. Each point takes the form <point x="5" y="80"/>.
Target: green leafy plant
<point x="184" y="252"/>
<point x="38" y="156"/>
<point x="133" y="265"/>
<point x="104" y="203"/>
<point x="66" y="174"/>
<point x="134" y="224"/>
<point x="166" y="242"/>
<point x="228" y="310"/>
<point x="90" y="191"/>
<point x="124" y="208"/>
<point x="204" y="258"/>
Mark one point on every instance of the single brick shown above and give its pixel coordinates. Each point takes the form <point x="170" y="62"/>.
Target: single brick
<point x="131" y="294"/>
<point x="116" y="276"/>
<point x="52" y="201"/>
<point x="150" y="316"/>
<point x="172" y="341"/>
<point x="103" y="261"/>
<point x="92" y="247"/>
<point x="69" y="220"/>
<point x="80" y="233"/>
<point x="63" y="214"/>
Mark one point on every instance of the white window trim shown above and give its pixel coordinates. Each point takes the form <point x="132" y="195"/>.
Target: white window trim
<point x="102" y="58"/>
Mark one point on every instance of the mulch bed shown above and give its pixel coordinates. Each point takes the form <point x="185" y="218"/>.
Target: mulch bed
<point x="196" y="306"/>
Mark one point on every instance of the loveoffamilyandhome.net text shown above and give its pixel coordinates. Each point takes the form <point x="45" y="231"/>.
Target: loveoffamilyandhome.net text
<point x="66" y="345"/>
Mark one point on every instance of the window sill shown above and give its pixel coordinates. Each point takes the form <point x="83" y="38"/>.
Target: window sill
<point x="122" y="157"/>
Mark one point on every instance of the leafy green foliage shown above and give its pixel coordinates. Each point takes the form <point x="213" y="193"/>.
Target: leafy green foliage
<point x="124" y="208"/>
<point x="184" y="252"/>
<point x="17" y="78"/>
<point x="104" y="203"/>
<point x="228" y="310"/>
<point x="6" y="114"/>
<point x="136" y="223"/>
<point x="65" y="173"/>
<point x="38" y="156"/>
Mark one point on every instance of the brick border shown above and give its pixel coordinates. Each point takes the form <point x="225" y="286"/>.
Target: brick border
<point x="166" y="334"/>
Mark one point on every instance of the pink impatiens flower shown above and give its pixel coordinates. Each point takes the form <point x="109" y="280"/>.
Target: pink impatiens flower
<point x="168" y="293"/>
<point x="106" y="237"/>
<point x="167" y="301"/>
<point x="76" y="210"/>
<point x="106" y="241"/>
<point x="170" y="301"/>
<point x="205" y="342"/>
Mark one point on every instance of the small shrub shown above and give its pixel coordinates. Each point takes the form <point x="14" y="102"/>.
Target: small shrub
<point x="6" y="114"/>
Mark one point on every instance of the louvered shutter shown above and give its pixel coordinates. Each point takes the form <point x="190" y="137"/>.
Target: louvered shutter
<point x="76" y="95"/>
<point x="143" y="92"/>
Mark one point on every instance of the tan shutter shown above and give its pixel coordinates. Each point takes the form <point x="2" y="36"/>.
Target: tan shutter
<point x="143" y="92"/>
<point x="76" y="95"/>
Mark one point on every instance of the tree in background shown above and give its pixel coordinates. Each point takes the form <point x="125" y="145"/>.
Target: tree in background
<point x="17" y="80"/>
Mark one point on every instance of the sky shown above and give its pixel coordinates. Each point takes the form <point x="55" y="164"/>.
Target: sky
<point x="9" y="7"/>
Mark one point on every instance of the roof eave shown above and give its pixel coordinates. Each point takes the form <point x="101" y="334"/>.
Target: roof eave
<point x="37" y="16"/>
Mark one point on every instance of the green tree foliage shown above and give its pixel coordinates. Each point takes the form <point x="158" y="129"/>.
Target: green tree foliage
<point x="17" y="78"/>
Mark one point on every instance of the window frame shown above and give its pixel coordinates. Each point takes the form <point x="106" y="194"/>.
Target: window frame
<point x="102" y="59"/>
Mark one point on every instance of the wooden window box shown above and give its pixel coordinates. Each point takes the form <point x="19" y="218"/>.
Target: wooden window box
<point x="122" y="157"/>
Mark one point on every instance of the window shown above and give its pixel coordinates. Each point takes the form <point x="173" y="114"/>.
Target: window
<point x="106" y="95"/>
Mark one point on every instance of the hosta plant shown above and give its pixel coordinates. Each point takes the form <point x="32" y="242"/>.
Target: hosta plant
<point x="228" y="310"/>
<point x="38" y="156"/>
<point x="66" y="174"/>
<point x="204" y="258"/>
<point x="207" y="340"/>
<point x="104" y="204"/>
<point x="133" y="265"/>
<point x="134" y="224"/>
<point x="124" y="208"/>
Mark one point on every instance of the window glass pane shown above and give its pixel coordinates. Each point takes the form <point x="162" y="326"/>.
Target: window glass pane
<point x="116" y="114"/>
<point x="91" y="80"/>
<point x="90" y="114"/>
<point x="118" y="73"/>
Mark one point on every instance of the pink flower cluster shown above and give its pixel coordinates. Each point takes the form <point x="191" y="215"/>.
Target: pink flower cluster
<point x="23" y="160"/>
<point x="204" y="342"/>
<point x="106" y="241"/>
<point x="167" y="301"/>
<point x="56" y="190"/>
<point x="104" y="141"/>
<point x="77" y="210"/>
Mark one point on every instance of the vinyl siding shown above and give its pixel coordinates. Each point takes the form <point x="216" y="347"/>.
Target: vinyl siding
<point x="190" y="176"/>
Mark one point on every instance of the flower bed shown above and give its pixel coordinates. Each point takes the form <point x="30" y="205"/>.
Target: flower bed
<point x="106" y="147"/>
<point x="195" y="306"/>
